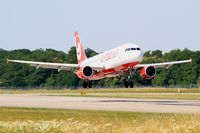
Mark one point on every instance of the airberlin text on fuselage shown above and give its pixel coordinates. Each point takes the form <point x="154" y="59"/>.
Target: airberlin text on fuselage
<point x="109" y="55"/>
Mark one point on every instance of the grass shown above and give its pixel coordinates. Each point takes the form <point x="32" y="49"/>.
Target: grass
<point x="75" y="121"/>
<point x="101" y="90"/>
<point x="31" y="120"/>
<point x="147" y="93"/>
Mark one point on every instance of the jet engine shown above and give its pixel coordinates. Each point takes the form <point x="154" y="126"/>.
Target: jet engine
<point x="85" y="72"/>
<point x="148" y="72"/>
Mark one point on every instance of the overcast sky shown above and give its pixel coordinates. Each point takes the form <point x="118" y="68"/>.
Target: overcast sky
<point x="102" y="24"/>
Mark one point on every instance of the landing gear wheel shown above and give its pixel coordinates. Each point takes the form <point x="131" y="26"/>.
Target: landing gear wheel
<point x="126" y="84"/>
<point x="131" y="84"/>
<point x="90" y="84"/>
<point x="85" y="84"/>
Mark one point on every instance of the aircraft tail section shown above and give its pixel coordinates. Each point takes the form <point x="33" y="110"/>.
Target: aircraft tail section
<point x="79" y="49"/>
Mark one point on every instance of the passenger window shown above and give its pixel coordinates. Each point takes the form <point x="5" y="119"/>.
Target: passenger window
<point x="138" y="48"/>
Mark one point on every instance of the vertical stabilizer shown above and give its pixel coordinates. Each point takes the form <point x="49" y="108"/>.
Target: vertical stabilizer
<point x="79" y="49"/>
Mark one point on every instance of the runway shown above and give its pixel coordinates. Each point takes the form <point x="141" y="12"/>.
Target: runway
<point x="107" y="104"/>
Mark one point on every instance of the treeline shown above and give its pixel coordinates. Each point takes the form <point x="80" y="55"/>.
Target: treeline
<point x="20" y="75"/>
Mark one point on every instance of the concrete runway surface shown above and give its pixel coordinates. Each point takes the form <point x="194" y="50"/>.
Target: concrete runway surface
<point x="107" y="104"/>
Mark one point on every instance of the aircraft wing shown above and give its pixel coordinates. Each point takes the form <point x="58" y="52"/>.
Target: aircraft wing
<point x="164" y="64"/>
<point x="58" y="66"/>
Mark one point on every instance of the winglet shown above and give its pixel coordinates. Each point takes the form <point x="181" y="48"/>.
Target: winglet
<point x="190" y="60"/>
<point x="7" y="60"/>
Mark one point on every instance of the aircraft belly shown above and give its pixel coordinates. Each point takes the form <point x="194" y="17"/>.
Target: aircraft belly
<point x="113" y="72"/>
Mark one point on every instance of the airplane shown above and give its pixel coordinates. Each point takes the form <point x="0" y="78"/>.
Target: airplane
<point x="115" y="62"/>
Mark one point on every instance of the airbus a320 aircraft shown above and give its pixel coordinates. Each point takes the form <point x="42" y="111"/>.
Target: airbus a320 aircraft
<point x="115" y="62"/>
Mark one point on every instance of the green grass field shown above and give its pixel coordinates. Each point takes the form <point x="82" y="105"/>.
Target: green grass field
<point x="148" y="93"/>
<point x="77" y="121"/>
<point x="102" y="90"/>
<point x="31" y="120"/>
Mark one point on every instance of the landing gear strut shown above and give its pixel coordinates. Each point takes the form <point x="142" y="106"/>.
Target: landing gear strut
<point x="129" y="83"/>
<point x="87" y="84"/>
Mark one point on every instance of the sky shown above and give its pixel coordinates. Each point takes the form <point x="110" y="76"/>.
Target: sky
<point x="102" y="24"/>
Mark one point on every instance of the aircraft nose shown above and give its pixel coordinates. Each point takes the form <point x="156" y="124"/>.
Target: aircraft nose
<point x="141" y="53"/>
<point x="140" y="56"/>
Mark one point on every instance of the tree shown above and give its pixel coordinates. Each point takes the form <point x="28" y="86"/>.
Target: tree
<point x="21" y="75"/>
<point x="71" y="56"/>
<point x="147" y="54"/>
<point x="198" y="80"/>
<point x="89" y="52"/>
<point x="50" y="82"/>
<point x="157" y="53"/>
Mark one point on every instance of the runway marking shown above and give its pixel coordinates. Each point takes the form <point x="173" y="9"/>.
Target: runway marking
<point x="107" y="104"/>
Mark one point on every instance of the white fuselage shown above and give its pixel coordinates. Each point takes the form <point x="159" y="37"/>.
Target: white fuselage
<point x="115" y="57"/>
<point x="115" y="61"/>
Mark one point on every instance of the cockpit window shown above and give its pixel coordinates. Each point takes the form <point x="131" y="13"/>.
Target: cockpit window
<point x="138" y="48"/>
<point x="128" y="49"/>
<point x="133" y="48"/>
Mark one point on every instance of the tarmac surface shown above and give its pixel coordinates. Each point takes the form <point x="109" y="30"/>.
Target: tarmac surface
<point x="107" y="104"/>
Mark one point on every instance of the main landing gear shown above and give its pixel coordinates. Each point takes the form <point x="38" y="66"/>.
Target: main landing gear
<point x="87" y="84"/>
<point x="128" y="82"/>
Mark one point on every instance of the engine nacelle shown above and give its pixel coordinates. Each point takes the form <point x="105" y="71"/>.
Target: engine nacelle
<point x="148" y="72"/>
<point x="85" y="72"/>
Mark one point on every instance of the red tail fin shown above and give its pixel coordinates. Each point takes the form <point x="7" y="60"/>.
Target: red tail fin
<point x="79" y="49"/>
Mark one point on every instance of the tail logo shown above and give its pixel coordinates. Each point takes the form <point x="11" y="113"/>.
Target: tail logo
<point x="78" y="46"/>
<point x="79" y="49"/>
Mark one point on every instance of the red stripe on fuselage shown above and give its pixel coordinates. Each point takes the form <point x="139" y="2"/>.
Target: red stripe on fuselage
<point x="112" y="71"/>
